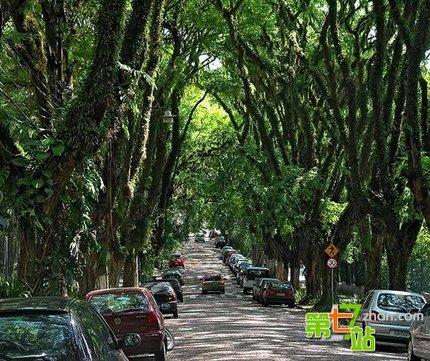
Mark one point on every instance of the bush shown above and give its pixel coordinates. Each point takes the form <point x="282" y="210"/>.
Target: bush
<point x="13" y="288"/>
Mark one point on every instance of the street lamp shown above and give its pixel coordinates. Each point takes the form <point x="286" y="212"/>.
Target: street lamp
<point x="168" y="117"/>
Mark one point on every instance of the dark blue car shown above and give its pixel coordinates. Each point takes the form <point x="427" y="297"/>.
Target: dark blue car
<point x="60" y="329"/>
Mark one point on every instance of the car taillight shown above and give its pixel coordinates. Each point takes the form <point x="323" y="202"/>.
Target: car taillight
<point x="152" y="321"/>
<point x="171" y="297"/>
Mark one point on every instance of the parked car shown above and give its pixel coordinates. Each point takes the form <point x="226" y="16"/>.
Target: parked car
<point x="228" y="255"/>
<point x="212" y="283"/>
<point x="53" y="328"/>
<point x="172" y="273"/>
<point x="224" y="250"/>
<point x="235" y="262"/>
<point x="419" y="344"/>
<point x="165" y="296"/>
<point x="133" y="310"/>
<point x="233" y="259"/>
<point x="276" y="292"/>
<point x="220" y="242"/>
<point x="236" y="266"/>
<point x="251" y="275"/>
<point x="199" y="237"/>
<point x="241" y="272"/>
<point x="258" y="288"/>
<point x="385" y="310"/>
<point x="174" y="283"/>
<point x="176" y="260"/>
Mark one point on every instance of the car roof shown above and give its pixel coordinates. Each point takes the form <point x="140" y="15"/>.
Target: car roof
<point x="55" y="304"/>
<point x="402" y="293"/>
<point x="115" y="290"/>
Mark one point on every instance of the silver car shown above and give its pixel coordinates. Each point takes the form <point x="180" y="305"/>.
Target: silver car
<point x="419" y="344"/>
<point x="390" y="313"/>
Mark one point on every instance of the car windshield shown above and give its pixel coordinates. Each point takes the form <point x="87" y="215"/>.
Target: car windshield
<point x="399" y="303"/>
<point x="257" y="273"/>
<point x="159" y="287"/>
<point x="245" y="265"/>
<point x="44" y="335"/>
<point x="119" y="302"/>
<point x="281" y="286"/>
<point x="213" y="278"/>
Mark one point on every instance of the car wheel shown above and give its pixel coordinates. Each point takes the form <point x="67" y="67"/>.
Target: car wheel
<point x="245" y="291"/>
<point x="411" y="355"/>
<point x="265" y="303"/>
<point x="175" y="314"/>
<point x="204" y="292"/>
<point x="223" y="292"/>
<point x="161" y="355"/>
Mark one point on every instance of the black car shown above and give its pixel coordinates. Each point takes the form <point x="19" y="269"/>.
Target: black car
<point x="165" y="297"/>
<point x="177" y="275"/>
<point x="175" y="284"/>
<point x="54" y="328"/>
<point x="220" y="243"/>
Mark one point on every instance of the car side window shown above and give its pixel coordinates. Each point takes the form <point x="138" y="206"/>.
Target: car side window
<point x="96" y="332"/>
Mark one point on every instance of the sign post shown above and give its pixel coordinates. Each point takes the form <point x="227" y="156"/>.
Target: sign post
<point x="332" y="263"/>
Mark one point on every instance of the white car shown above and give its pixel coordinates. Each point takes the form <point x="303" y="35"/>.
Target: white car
<point x="390" y="313"/>
<point x="251" y="275"/>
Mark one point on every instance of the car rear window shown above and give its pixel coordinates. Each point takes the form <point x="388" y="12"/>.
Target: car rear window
<point x="107" y="303"/>
<point x="213" y="278"/>
<point x="47" y="336"/>
<point x="281" y="286"/>
<point x="253" y="274"/>
<point x="175" y="256"/>
<point x="399" y="303"/>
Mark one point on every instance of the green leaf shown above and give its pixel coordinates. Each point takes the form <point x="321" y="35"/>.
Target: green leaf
<point x="58" y="149"/>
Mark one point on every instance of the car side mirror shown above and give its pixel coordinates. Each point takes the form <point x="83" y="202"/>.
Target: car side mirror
<point x="130" y="340"/>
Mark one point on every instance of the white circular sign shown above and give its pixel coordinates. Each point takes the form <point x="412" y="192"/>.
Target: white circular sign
<point x="331" y="263"/>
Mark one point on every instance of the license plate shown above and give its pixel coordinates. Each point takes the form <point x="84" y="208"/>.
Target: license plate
<point x="280" y="294"/>
<point x="399" y="333"/>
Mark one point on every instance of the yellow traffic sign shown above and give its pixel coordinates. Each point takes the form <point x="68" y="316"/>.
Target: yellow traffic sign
<point x="332" y="251"/>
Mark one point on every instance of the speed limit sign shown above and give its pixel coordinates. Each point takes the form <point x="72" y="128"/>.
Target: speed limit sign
<point x="332" y="263"/>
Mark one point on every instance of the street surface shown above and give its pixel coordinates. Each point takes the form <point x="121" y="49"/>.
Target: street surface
<point x="232" y="327"/>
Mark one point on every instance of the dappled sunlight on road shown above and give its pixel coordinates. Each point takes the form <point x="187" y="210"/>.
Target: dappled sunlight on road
<point x="217" y="327"/>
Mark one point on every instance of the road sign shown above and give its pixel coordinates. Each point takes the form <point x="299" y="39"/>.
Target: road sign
<point x="332" y="251"/>
<point x="332" y="263"/>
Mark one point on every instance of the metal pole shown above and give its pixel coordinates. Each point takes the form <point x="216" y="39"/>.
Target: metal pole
<point x="332" y="286"/>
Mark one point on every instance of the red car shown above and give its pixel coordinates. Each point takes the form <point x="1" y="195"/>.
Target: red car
<point x="132" y="310"/>
<point x="176" y="260"/>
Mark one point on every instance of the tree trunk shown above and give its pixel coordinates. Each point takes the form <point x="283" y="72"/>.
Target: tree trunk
<point x="373" y="261"/>
<point x="115" y="268"/>
<point x="397" y="269"/>
<point x="130" y="270"/>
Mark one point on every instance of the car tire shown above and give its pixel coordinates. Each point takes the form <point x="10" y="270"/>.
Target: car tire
<point x="265" y="303"/>
<point x="161" y="355"/>
<point x="245" y="291"/>
<point x="223" y="292"/>
<point x="204" y="292"/>
<point x="411" y="355"/>
<point x="175" y="314"/>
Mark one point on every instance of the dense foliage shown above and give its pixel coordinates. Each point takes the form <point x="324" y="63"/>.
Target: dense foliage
<point x="287" y="124"/>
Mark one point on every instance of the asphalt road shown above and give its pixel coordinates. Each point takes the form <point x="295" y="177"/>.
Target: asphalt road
<point x="232" y="327"/>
